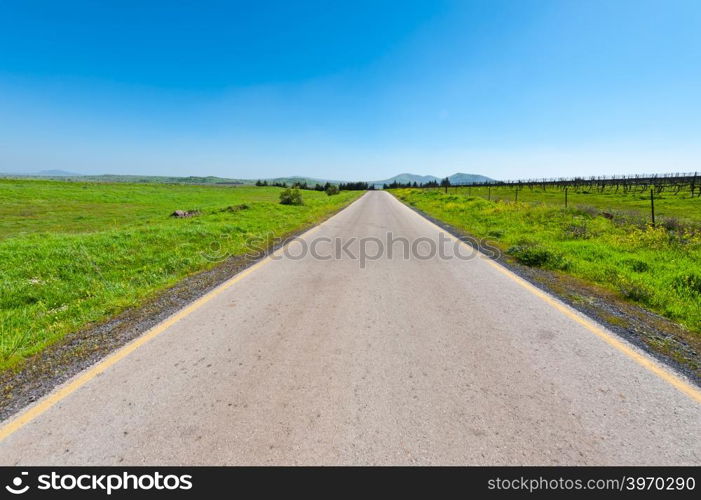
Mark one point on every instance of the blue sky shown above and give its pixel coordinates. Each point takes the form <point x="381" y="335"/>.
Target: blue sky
<point x="351" y="90"/>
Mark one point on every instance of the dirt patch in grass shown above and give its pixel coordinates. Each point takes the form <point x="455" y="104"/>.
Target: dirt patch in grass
<point x="662" y="338"/>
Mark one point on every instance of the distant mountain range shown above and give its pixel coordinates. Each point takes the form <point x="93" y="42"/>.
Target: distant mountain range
<point x="44" y="173"/>
<point x="163" y="179"/>
<point x="458" y="178"/>
<point x="57" y="173"/>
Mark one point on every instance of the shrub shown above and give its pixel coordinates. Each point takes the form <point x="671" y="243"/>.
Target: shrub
<point x="235" y="208"/>
<point x="332" y="189"/>
<point x="291" y="196"/>
<point x="635" y="291"/>
<point x="537" y="256"/>
<point x="577" y="232"/>
<point x="687" y="284"/>
<point x="673" y="224"/>
<point x="623" y="218"/>
<point x="636" y="265"/>
<point x="588" y="211"/>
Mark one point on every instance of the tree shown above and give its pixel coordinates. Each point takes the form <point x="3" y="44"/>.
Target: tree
<point x="446" y="183"/>
<point x="353" y="186"/>
<point x="291" y="196"/>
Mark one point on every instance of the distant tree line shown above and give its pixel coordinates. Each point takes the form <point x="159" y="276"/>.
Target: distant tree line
<point x="355" y="186"/>
<point x="298" y="185"/>
<point x="328" y="187"/>
<point x="430" y="184"/>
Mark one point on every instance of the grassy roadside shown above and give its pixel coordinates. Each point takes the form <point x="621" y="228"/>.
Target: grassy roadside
<point x="658" y="268"/>
<point x="78" y="253"/>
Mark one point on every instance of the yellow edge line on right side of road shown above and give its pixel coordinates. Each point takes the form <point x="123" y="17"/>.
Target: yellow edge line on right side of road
<point x="672" y="379"/>
<point x="609" y="338"/>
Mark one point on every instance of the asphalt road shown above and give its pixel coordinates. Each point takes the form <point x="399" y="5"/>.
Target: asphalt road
<point x="425" y="360"/>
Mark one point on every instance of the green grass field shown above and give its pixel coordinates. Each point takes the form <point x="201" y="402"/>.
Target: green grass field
<point x="658" y="268"/>
<point x="78" y="253"/>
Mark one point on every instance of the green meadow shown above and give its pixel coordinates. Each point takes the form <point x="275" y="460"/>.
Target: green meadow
<point x="75" y="254"/>
<point x="657" y="267"/>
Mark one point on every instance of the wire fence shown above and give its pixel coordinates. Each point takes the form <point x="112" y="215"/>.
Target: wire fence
<point x="672" y="182"/>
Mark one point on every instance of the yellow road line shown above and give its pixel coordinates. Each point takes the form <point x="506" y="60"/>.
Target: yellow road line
<point x="76" y="383"/>
<point x="59" y="394"/>
<point x="611" y="339"/>
<point x="56" y="396"/>
<point x="607" y="337"/>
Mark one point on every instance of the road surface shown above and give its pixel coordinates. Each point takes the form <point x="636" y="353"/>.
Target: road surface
<point x="317" y="360"/>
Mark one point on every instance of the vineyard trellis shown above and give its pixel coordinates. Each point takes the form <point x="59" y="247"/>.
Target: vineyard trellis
<point x="659" y="186"/>
<point x="673" y="182"/>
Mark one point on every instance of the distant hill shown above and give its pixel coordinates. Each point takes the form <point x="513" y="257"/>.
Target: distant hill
<point x="162" y="179"/>
<point x="461" y="178"/>
<point x="42" y="173"/>
<point x="298" y="179"/>
<point x="458" y="178"/>
<point x="404" y="178"/>
<point x="56" y="173"/>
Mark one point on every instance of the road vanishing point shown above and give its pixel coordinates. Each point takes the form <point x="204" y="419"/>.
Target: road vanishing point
<point x="304" y="359"/>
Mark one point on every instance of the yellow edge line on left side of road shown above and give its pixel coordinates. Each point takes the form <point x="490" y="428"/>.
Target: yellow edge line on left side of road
<point x="29" y="414"/>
